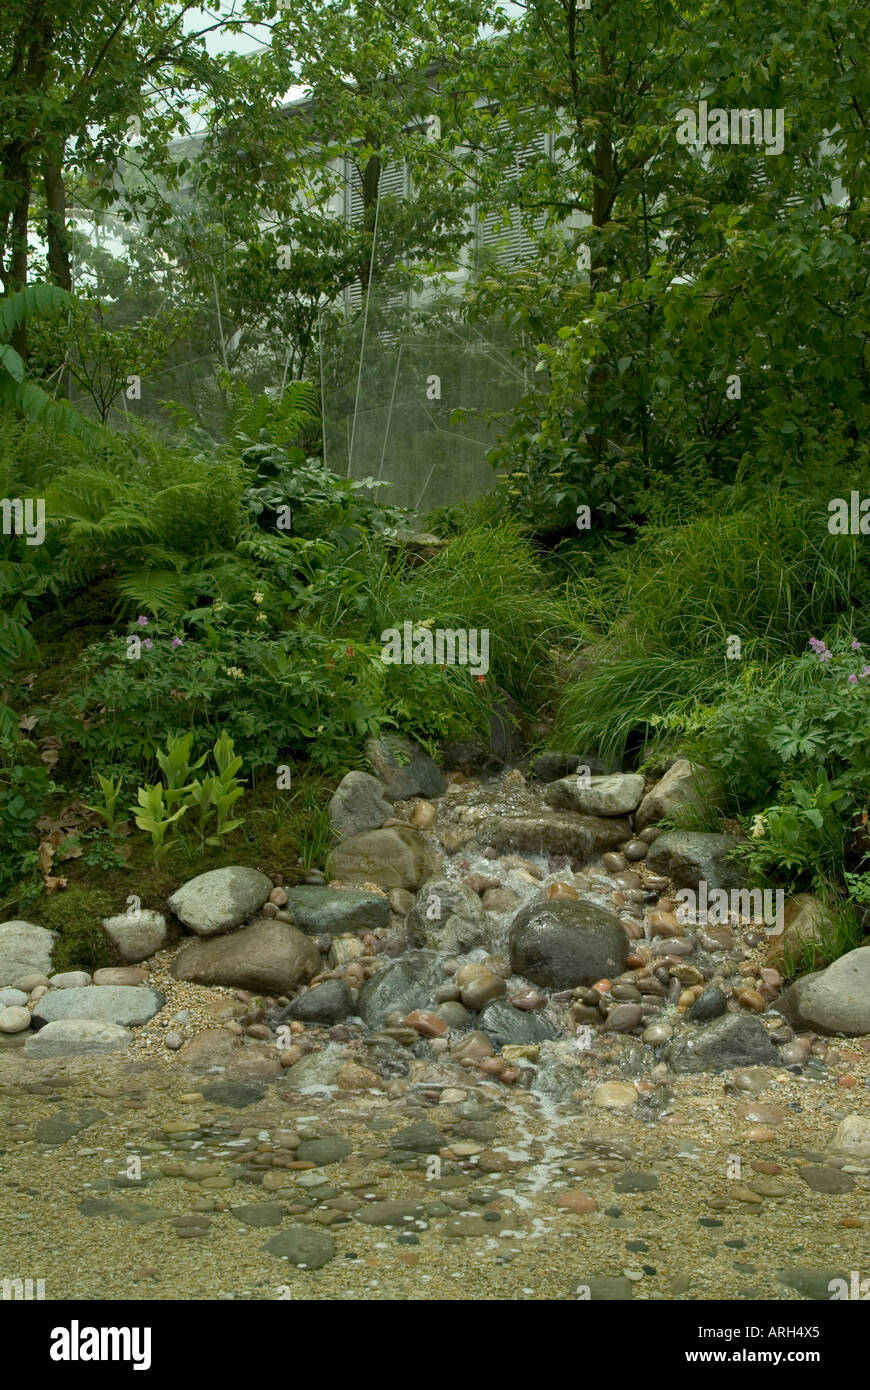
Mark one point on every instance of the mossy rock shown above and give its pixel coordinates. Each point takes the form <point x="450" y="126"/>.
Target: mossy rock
<point x="76" y="914"/>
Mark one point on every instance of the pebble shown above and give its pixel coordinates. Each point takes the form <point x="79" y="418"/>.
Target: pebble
<point x="614" y="1095"/>
<point x="578" y="1203"/>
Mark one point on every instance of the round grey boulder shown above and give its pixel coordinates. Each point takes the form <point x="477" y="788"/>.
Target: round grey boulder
<point x="561" y="943"/>
<point x="221" y="899"/>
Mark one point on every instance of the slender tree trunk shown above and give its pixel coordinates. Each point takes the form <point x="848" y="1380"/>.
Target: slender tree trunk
<point x="59" y="264"/>
<point x="370" y="183"/>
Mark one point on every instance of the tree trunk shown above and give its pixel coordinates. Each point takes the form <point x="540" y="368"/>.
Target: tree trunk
<point x="59" y="265"/>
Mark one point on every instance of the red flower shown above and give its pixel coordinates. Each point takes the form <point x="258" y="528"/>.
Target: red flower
<point x="481" y="679"/>
<point x="349" y="651"/>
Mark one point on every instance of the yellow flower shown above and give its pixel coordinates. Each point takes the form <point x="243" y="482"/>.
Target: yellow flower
<point x="258" y="597"/>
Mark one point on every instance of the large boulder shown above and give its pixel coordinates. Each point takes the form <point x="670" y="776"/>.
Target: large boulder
<point x="558" y="833"/>
<point x="403" y="768"/>
<point x="691" y="857"/>
<point x="734" y="1040"/>
<point x="682" y="785"/>
<point x="136" y="935"/>
<point x="405" y="984"/>
<point x="447" y="916"/>
<point x="220" y="900"/>
<point x="614" y="795"/>
<point x="25" y="949"/>
<point x="336" y="910"/>
<point x="394" y="858"/>
<point x="561" y="943"/>
<point x="358" y="804"/>
<point x="835" y="1000"/>
<point x="76" y="1037"/>
<point x="269" y="957"/>
<point x="124" y="1005"/>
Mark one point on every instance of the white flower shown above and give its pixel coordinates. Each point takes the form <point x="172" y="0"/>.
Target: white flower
<point x="759" y="827"/>
<point x="258" y="597"/>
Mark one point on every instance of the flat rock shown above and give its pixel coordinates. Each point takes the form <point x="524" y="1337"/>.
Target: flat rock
<point x="304" y="1246"/>
<point x="556" y="832"/>
<point x="393" y="858"/>
<point x="560" y="943"/>
<point x="136" y="936"/>
<point x="72" y="1037"/>
<point x="811" y="1283"/>
<point x="358" y="803"/>
<point x="124" y="1005"/>
<point x="734" y="1040"/>
<point x="690" y="857"/>
<point x="507" y="1026"/>
<point x="835" y="1000"/>
<point x="614" y="1095"/>
<point x="612" y="1288"/>
<point x="403" y="768"/>
<point x="237" y="1095"/>
<point x="259" y="1214"/>
<point x="70" y="979"/>
<point x="220" y="900"/>
<point x="214" y="1047"/>
<point x="335" y="910"/>
<point x="25" y="949"/>
<point x="613" y="795"/>
<point x="322" y="1152"/>
<point x="823" y="1179"/>
<point x="401" y="1212"/>
<point x="269" y="957"/>
<point x="120" y="975"/>
<point x="633" y="1180"/>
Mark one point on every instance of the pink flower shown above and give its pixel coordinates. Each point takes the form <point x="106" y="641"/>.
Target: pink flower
<point x="142" y="620"/>
<point x="177" y="642"/>
<point x="856" y="646"/>
<point x="148" y="643"/>
<point x="866" y="671"/>
<point x="853" y="680"/>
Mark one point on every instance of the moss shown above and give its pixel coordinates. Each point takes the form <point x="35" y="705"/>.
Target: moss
<point x="76" y="914"/>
